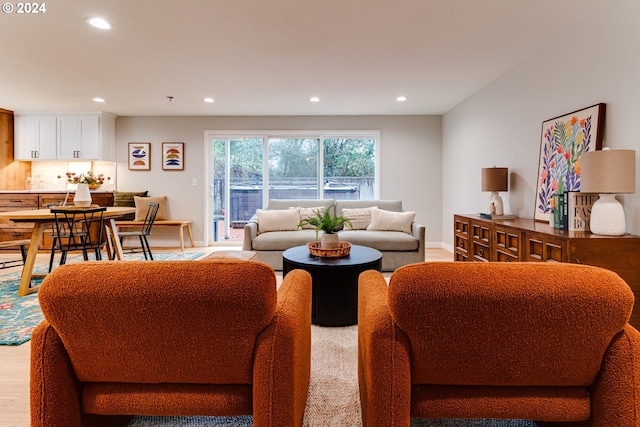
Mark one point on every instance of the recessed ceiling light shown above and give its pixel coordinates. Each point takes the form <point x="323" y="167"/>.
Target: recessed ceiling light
<point x="98" y="99"/>
<point x="314" y="99"/>
<point x="401" y="98"/>
<point x="99" y="23"/>
<point x="209" y="100"/>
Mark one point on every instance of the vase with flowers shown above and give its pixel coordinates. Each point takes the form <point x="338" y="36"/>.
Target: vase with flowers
<point x="92" y="180"/>
<point x="85" y="183"/>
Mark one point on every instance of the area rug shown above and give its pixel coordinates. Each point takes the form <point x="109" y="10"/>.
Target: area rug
<point x="333" y="399"/>
<point x="19" y="315"/>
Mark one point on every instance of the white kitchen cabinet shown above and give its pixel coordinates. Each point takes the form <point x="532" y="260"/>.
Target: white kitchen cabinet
<point x="79" y="137"/>
<point x="83" y="136"/>
<point x="35" y="137"/>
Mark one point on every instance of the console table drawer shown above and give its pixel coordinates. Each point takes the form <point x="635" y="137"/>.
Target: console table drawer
<point x="544" y="249"/>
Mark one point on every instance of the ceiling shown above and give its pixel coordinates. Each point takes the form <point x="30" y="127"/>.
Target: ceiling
<point x="268" y="57"/>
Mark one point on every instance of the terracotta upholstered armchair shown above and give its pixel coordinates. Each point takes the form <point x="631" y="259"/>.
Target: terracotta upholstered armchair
<point x="171" y="338"/>
<point x="545" y="342"/>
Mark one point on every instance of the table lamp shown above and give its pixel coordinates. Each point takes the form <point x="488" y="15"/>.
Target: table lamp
<point x="608" y="172"/>
<point x="495" y="180"/>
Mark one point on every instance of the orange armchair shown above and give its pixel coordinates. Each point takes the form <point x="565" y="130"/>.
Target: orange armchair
<point x="171" y="338"/>
<point x="543" y="342"/>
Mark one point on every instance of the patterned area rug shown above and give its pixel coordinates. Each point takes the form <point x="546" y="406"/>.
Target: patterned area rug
<point x="19" y="315"/>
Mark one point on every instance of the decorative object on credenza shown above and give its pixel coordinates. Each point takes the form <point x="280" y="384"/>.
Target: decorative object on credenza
<point x="173" y="156"/>
<point x="563" y="140"/>
<point x="608" y="172"/>
<point x="495" y="180"/>
<point x="140" y="156"/>
<point x="327" y="223"/>
<point x="579" y="204"/>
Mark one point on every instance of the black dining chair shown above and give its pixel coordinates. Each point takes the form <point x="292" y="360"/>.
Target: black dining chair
<point x="77" y="229"/>
<point x="142" y="234"/>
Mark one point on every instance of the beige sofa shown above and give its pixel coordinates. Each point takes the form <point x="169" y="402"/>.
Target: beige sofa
<point x="398" y="247"/>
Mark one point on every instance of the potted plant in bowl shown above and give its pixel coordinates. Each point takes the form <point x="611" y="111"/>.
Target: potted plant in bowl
<point x="327" y="223"/>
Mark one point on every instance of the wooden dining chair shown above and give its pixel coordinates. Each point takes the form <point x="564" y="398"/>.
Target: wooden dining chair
<point x="142" y="234"/>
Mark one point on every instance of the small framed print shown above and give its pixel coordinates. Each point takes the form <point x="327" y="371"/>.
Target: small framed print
<point x="140" y="156"/>
<point x="173" y="156"/>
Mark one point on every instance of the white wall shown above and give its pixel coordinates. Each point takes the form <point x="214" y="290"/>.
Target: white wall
<point x="596" y="60"/>
<point x="410" y="159"/>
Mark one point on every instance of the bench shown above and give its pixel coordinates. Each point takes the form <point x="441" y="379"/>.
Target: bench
<point x="176" y="223"/>
<point x="8" y="244"/>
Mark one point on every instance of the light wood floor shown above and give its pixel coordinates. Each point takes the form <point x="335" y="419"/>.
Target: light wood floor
<point x="14" y="360"/>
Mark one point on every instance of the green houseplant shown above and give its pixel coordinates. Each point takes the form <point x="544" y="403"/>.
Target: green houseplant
<point x="327" y="223"/>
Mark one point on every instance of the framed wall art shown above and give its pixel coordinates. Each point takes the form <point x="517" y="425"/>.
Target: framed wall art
<point x="140" y="156"/>
<point x="563" y="139"/>
<point x="173" y="156"/>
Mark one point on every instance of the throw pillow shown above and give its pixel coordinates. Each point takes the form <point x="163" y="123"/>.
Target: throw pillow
<point x="306" y="213"/>
<point x="142" y="205"/>
<point x="382" y="220"/>
<point x="125" y="199"/>
<point x="360" y="218"/>
<point x="278" y="220"/>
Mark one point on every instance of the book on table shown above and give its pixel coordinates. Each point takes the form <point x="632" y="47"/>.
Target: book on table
<point x="579" y="210"/>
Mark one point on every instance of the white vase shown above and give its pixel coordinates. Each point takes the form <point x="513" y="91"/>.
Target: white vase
<point x="82" y="197"/>
<point x="329" y="241"/>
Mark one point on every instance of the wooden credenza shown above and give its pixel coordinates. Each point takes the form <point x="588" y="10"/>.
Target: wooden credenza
<point x="20" y="200"/>
<point x="526" y="240"/>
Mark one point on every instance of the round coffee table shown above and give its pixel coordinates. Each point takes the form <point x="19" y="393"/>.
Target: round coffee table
<point x="334" y="281"/>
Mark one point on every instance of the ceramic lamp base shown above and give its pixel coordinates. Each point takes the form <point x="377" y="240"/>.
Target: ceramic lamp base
<point x="607" y="216"/>
<point x="496" y="206"/>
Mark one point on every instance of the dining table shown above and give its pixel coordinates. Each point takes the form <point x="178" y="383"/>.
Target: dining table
<point x="43" y="218"/>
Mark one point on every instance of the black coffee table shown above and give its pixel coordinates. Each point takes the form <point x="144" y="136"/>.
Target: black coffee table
<point x="334" y="281"/>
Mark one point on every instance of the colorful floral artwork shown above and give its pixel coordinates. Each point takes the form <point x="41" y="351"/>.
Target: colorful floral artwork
<point x="564" y="139"/>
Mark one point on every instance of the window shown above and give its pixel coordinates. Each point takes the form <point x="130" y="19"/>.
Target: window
<point x="331" y="165"/>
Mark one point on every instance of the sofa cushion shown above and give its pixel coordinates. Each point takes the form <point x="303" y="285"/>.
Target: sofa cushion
<point x="283" y="240"/>
<point x="142" y="206"/>
<point x="360" y="218"/>
<point x="300" y="203"/>
<point x="382" y="220"/>
<point x="278" y="220"/>
<point x="389" y="205"/>
<point x="381" y="240"/>
<point x="306" y="213"/>
<point x="125" y="199"/>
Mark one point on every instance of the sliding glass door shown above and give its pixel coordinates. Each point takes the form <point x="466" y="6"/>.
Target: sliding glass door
<point x="329" y="166"/>
<point x="237" y="184"/>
